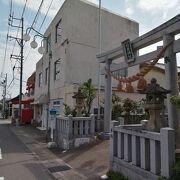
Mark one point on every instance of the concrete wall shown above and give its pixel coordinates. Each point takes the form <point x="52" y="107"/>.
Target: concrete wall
<point x="40" y="68"/>
<point x="78" y="57"/>
<point x="83" y="47"/>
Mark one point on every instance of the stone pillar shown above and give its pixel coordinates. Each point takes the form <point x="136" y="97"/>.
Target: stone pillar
<point x="92" y="124"/>
<point x="167" y="151"/>
<point x="108" y="93"/>
<point x="113" y="144"/>
<point x="69" y="129"/>
<point x="171" y="82"/>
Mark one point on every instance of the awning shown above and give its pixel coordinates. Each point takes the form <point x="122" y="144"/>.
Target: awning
<point x="25" y="101"/>
<point x="43" y="99"/>
<point x="35" y="102"/>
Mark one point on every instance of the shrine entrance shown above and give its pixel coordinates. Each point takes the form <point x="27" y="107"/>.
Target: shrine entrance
<point x="129" y="50"/>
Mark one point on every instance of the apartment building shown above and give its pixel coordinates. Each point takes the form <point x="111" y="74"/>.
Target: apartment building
<point x="71" y="49"/>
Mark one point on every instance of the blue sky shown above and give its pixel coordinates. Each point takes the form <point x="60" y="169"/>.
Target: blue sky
<point x="149" y="14"/>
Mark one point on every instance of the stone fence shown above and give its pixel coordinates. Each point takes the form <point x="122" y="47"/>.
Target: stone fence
<point x="74" y="131"/>
<point x="141" y="154"/>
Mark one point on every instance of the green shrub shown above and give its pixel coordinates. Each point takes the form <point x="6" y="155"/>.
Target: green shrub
<point x="116" y="107"/>
<point x="176" y="101"/>
<point x="116" y="111"/>
<point x="176" y="171"/>
<point x="67" y="110"/>
<point x="163" y="178"/>
<point x="89" y="90"/>
<point x="129" y="105"/>
<point x="116" y="176"/>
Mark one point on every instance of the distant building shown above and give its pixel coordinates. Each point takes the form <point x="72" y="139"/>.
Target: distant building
<point x="158" y="72"/>
<point x="30" y="85"/>
<point x="27" y="102"/>
<point x="71" y="53"/>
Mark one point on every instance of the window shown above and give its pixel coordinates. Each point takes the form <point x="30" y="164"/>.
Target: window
<point x="58" y="31"/>
<point x="56" y="103"/>
<point x="40" y="79"/>
<point x="48" y="44"/>
<point x="46" y="75"/>
<point x="57" y="65"/>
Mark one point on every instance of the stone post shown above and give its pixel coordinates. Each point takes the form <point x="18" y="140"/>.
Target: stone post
<point x="172" y="83"/>
<point x="69" y="132"/>
<point x="108" y="93"/>
<point x="92" y="124"/>
<point x="70" y="126"/>
<point x="167" y="151"/>
<point x="113" y="143"/>
<point x="121" y="120"/>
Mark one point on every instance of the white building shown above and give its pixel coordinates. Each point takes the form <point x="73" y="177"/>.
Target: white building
<point x="73" y="40"/>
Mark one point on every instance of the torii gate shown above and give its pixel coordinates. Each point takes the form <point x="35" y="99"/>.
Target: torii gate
<point x="165" y="32"/>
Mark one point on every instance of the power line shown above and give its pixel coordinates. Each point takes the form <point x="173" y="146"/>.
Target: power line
<point x="11" y="16"/>
<point x="11" y="4"/>
<point x="35" y="19"/>
<point x="45" y="16"/>
<point x="40" y="27"/>
<point x="5" y="52"/>
<point x="24" y="8"/>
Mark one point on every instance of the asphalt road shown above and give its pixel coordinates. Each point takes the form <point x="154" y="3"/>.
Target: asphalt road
<point x="16" y="161"/>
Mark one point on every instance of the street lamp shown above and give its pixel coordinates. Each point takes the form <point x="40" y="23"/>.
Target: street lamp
<point x="26" y="37"/>
<point x="41" y="49"/>
<point x="34" y="44"/>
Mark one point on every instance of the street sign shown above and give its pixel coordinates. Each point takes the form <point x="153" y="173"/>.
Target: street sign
<point x="53" y="111"/>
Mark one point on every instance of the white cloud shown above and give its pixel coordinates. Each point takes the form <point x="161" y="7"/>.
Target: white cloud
<point x="143" y="29"/>
<point x="129" y="11"/>
<point x="154" y="6"/>
<point x="94" y="1"/>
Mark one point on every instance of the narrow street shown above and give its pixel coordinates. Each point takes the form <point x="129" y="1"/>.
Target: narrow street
<point x="16" y="161"/>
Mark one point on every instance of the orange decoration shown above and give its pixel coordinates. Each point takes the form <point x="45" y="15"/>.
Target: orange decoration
<point x="134" y="78"/>
<point x="142" y="83"/>
<point x="120" y="87"/>
<point x="143" y="72"/>
<point x="139" y="76"/>
<point x="129" y="88"/>
<point x="129" y="79"/>
<point x="147" y="68"/>
<point x="150" y="65"/>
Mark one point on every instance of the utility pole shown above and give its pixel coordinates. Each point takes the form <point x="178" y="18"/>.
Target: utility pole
<point x="99" y="65"/>
<point x="21" y="71"/>
<point x="4" y="83"/>
<point x="20" y="42"/>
